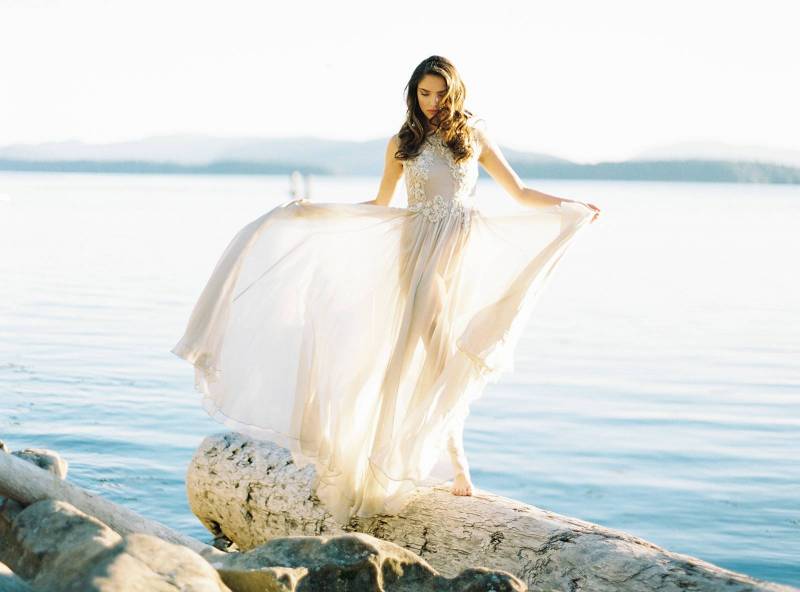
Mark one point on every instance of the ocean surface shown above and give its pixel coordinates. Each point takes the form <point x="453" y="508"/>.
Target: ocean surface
<point x="656" y="389"/>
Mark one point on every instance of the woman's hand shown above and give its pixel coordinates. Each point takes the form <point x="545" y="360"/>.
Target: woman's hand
<point x="596" y="211"/>
<point x="588" y="205"/>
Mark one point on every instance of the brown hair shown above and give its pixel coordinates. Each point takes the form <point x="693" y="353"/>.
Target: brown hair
<point x="452" y="117"/>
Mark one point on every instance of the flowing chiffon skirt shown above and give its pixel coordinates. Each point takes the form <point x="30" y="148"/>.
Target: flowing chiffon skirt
<point x="357" y="335"/>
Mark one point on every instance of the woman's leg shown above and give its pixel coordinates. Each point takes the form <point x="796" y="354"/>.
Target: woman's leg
<point x="432" y="322"/>
<point x="462" y="482"/>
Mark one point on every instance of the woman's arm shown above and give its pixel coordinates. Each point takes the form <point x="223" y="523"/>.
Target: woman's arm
<point x="392" y="171"/>
<point x="497" y="166"/>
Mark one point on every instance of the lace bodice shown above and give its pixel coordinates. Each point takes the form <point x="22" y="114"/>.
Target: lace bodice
<point x="437" y="186"/>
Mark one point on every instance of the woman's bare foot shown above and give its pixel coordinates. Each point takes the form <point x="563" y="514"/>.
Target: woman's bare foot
<point x="462" y="485"/>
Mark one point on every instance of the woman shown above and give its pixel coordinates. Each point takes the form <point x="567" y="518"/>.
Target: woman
<point x="356" y="335"/>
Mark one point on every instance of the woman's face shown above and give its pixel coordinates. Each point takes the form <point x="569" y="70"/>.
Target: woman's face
<point x="430" y="92"/>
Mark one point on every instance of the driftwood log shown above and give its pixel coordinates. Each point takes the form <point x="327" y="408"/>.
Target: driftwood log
<point x="250" y="491"/>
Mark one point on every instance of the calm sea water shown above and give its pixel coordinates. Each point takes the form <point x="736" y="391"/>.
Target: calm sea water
<point x="657" y="388"/>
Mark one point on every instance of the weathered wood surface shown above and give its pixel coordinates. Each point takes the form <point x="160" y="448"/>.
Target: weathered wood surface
<point x="250" y="491"/>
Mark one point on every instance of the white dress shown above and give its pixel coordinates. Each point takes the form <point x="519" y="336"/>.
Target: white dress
<point x="356" y="335"/>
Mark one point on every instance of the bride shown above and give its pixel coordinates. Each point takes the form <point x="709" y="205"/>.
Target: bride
<point x="357" y="335"/>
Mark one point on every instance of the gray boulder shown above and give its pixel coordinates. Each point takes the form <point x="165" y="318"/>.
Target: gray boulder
<point x="44" y="459"/>
<point x="10" y="582"/>
<point x="61" y="549"/>
<point x="347" y="562"/>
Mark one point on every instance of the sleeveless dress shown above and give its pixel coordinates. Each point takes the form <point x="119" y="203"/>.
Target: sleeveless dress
<point x="357" y="335"/>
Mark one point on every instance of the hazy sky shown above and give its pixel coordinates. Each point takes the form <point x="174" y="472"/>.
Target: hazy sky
<point x="585" y="80"/>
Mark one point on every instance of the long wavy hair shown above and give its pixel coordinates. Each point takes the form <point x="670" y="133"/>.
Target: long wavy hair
<point x="452" y="116"/>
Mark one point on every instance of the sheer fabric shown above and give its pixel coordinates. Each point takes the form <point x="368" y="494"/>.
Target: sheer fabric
<point x="357" y="335"/>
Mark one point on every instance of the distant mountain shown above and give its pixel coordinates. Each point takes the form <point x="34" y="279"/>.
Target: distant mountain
<point x="335" y="156"/>
<point x="713" y="171"/>
<point x="517" y="156"/>
<point x="195" y="154"/>
<point x="218" y="167"/>
<point x="720" y="151"/>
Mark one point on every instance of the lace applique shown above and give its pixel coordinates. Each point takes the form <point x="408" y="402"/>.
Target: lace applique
<point x="439" y="207"/>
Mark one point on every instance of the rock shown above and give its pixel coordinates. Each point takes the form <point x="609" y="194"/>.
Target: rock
<point x="62" y="549"/>
<point x="223" y="543"/>
<point x="348" y="562"/>
<point x="8" y="512"/>
<point x="250" y="491"/>
<point x="56" y="546"/>
<point x="27" y="484"/>
<point x="144" y="562"/>
<point x="44" y="459"/>
<point x="9" y="582"/>
<point x="56" y="541"/>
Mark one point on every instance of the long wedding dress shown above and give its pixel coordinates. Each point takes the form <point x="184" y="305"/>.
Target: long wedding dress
<point x="356" y="335"/>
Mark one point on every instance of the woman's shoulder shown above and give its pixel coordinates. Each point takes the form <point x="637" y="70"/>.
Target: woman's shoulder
<point x="476" y="122"/>
<point x="477" y="126"/>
